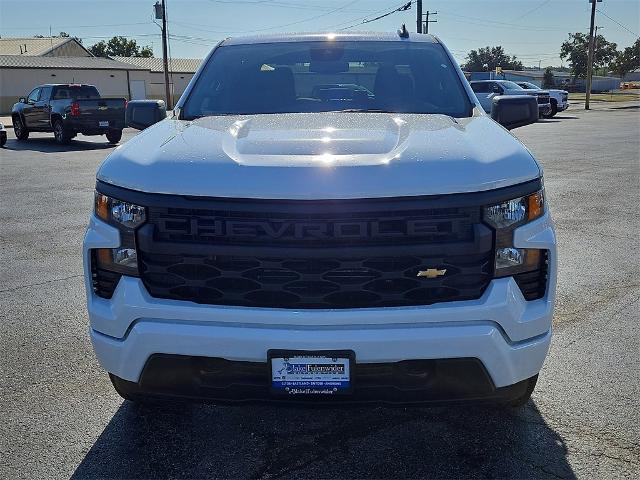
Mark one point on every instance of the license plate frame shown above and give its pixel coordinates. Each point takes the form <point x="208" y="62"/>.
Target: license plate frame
<point x="291" y="384"/>
<point x="103" y="123"/>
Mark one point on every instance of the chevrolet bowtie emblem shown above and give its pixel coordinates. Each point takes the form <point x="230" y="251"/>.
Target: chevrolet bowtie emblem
<point x="431" y="273"/>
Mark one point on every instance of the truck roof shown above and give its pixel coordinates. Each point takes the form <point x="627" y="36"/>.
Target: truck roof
<point x="66" y="85"/>
<point x="324" y="36"/>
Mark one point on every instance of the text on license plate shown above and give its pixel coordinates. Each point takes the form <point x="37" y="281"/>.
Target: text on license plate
<point x="310" y="374"/>
<point x="103" y="124"/>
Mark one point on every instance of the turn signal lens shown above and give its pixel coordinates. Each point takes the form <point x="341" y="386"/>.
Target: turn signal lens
<point x="535" y="204"/>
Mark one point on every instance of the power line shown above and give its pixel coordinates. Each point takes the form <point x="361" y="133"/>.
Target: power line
<point x="531" y="11"/>
<point x="496" y="24"/>
<point x="402" y="8"/>
<point x="616" y="22"/>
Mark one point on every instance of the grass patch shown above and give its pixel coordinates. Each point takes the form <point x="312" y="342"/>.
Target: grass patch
<point x="606" y="97"/>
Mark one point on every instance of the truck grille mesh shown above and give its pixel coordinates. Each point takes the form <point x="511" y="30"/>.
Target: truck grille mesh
<point x="314" y="283"/>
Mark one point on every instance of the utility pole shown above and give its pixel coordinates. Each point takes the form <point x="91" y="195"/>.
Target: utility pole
<point x="591" y="52"/>
<point x="427" y="22"/>
<point x="161" y="13"/>
<point x="419" y="16"/>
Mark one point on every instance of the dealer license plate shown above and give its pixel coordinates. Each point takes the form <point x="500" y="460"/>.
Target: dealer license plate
<point x="311" y="372"/>
<point x="103" y="124"/>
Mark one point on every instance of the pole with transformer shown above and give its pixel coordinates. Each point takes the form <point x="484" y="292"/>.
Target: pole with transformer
<point x="419" y="16"/>
<point x="161" y="13"/>
<point x="427" y="21"/>
<point x="592" y="44"/>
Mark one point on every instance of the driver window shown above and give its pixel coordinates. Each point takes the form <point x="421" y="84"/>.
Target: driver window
<point x="33" y="96"/>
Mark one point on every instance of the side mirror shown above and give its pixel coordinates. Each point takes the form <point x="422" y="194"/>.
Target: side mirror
<point x="144" y="113"/>
<point x="513" y="111"/>
<point x="22" y="100"/>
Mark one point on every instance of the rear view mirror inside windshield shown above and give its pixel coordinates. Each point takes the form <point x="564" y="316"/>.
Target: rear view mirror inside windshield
<point x="329" y="67"/>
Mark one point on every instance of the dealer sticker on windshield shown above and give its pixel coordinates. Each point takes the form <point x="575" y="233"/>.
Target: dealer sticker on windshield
<point x="310" y="373"/>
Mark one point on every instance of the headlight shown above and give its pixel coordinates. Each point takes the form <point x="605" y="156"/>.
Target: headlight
<point x="515" y="212"/>
<point x="126" y="217"/>
<point x="112" y="210"/>
<point x="505" y="217"/>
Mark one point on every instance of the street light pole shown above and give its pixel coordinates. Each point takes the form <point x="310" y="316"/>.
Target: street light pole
<point x="590" y="56"/>
<point x="161" y="13"/>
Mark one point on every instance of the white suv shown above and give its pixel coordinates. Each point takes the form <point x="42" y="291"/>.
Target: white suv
<point x="324" y="218"/>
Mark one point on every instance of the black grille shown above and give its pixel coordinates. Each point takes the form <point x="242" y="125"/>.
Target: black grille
<point x="104" y="282"/>
<point x="534" y="284"/>
<point x="543" y="98"/>
<point x="336" y="282"/>
<point x="347" y="254"/>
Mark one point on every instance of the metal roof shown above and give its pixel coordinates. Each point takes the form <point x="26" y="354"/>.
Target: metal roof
<point x="34" y="46"/>
<point x="77" y="63"/>
<point x="329" y="36"/>
<point x="176" y="65"/>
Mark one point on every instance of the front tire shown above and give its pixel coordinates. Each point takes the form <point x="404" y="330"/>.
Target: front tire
<point x="554" y="109"/>
<point x="114" y="136"/>
<point x="19" y="129"/>
<point x="61" y="135"/>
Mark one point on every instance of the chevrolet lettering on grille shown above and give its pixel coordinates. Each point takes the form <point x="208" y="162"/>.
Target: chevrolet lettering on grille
<point x="209" y="228"/>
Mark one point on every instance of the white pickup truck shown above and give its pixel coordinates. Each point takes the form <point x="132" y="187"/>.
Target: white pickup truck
<point x="559" y="99"/>
<point x="325" y="218"/>
<point x="485" y="90"/>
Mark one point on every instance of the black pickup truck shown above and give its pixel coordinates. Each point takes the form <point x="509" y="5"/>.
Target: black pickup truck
<point x="66" y="110"/>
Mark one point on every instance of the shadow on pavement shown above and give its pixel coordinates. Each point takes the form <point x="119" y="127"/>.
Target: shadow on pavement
<point x="196" y="441"/>
<point x="49" y="145"/>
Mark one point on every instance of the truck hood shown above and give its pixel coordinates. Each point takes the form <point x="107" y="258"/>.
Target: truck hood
<point x="320" y="156"/>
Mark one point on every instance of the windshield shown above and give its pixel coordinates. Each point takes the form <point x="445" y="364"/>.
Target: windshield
<point x="528" y="86"/>
<point x="332" y="76"/>
<point x="76" y="92"/>
<point x="510" y="85"/>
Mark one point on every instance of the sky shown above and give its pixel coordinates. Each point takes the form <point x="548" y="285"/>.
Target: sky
<point x="533" y="30"/>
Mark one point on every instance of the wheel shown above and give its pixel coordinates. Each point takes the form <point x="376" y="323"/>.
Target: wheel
<point x="61" y="135"/>
<point x="524" y="398"/>
<point x="3" y="140"/>
<point x="19" y="129"/>
<point x="553" y="111"/>
<point x="114" y="136"/>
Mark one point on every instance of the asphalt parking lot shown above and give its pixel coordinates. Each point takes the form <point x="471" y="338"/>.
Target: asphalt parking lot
<point x="61" y="417"/>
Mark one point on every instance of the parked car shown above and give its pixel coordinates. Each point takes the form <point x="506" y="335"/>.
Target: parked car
<point x="559" y="98"/>
<point x="485" y="90"/>
<point x="262" y="244"/>
<point x="66" y="110"/>
<point x="3" y="135"/>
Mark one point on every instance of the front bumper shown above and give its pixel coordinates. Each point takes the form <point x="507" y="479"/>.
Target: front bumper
<point x="507" y="334"/>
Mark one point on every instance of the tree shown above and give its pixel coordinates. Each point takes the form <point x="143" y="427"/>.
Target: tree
<point x="548" y="80"/>
<point x="627" y="60"/>
<point x="120" y="47"/>
<point x="576" y="51"/>
<point x="488" y="58"/>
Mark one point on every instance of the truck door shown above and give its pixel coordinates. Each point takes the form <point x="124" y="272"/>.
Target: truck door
<point x="28" y="110"/>
<point x="41" y="109"/>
